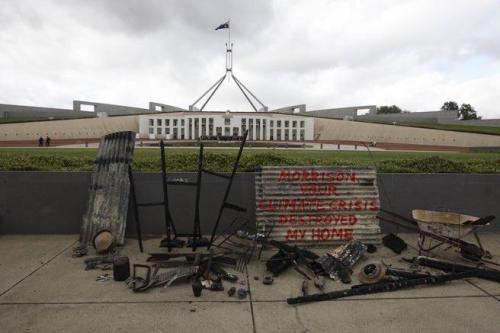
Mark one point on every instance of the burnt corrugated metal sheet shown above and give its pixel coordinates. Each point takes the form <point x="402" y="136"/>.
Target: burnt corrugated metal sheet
<point x="109" y="188"/>
<point x="318" y="205"/>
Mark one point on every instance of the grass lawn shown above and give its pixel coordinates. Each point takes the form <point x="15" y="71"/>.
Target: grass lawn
<point x="185" y="159"/>
<point x="447" y="127"/>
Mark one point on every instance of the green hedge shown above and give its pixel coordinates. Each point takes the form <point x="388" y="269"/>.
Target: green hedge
<point x="222" y="161"/>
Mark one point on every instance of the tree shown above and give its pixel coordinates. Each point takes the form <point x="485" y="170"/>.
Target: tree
<point x="450" y="106"/>
<point x="467" y="112"/>
<point x="388" y="109"/>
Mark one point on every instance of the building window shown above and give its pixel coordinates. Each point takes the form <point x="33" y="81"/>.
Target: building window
<point x="218" y="130"/>
<point x="287" y="123"/>
<point x="167" y="122"/>
<point x="243" y="121"/>
<point x="151" y="122"/>
<point x="182" y="133"/>
<point x="151" y="130"/>
<point x="227" y="131"/>
<point x="167" y="130"/>
<point x="250" y="129"/>
<point x="158" y="130"/>
<point x="302" y="123"/>
<point x="271" y="134"/>
<point x="211" y="125"/>
<point x="294" y="124"/>
<point x="175" y="122"/>
<point x="227" y="121"/>
<point x="287" y="134"/>
<point x="158" y="122"/>
<point x="278" y="123"/>
<point x="302" y="137"/>
<point x="271" y="123"/>
<point x="294" y="135"/>
<point x="278" y="134"/>
<point x="182" y="122"/>
<point x="236" y="131"/>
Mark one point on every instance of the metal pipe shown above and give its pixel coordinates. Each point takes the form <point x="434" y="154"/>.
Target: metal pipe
<point x="380" y="288"/>
<point x="213" y="92"/>
<point x="206" y="92"/>
<point x="236" y="79"/>
<point x="248" y="99"/>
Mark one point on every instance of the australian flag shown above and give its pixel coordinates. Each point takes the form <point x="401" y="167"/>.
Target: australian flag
<point x="223" y="26"/>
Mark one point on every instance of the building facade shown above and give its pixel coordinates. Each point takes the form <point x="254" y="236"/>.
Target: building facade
<point x="205" y="125"/>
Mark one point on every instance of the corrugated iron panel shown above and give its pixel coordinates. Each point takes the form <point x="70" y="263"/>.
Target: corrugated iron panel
<point x="318" y="205"/>
<point x="109" y="188"/>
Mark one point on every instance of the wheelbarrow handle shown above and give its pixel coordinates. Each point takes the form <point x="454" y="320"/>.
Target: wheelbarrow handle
<point x="482" y="221"/>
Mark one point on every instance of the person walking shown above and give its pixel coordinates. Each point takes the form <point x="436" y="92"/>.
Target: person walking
<point x="40" y="142"/>
<point x="47" y="141"/>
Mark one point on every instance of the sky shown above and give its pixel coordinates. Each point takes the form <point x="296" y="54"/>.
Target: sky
<point x="416" y="54"/>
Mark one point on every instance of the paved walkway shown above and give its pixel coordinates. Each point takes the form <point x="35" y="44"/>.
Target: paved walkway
<point x="43" y="289"/>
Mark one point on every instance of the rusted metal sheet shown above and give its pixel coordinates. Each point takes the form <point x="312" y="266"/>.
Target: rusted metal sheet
<point x="318" y="205"/>
<point x="109" y="189"/>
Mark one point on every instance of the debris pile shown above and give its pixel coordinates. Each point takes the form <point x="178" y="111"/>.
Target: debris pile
<point x="234" y="247"/>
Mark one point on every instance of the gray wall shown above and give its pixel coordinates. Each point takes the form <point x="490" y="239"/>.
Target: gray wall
<point x="22" y="111"/>
<point x="480" y="122"/>
<point x="109" y="109"/>
<point x="164" y="107"/>
<point x="414" y="117"/>
<point x="341" y="113"/>
<point x="54" y="202"/>
<point x="473" y="194"/>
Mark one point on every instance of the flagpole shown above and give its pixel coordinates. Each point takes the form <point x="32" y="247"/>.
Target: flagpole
<point x="230" y="48"/>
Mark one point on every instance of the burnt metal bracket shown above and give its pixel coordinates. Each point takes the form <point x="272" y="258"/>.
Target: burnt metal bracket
<point x="230" y="178"/>
<point x="171" y="240"/>
<point x="133" y="203"/>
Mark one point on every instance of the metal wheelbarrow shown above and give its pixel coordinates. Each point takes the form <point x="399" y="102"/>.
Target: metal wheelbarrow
<point x="448" y="225"/>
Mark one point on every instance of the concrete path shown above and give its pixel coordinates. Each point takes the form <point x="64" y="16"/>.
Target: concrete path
<point x="43" y="289"/>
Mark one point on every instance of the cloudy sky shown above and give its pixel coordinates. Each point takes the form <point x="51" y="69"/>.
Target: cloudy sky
<point x="412" y="53"/>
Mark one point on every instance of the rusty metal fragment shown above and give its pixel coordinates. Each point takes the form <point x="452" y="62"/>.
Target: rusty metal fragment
<point x="318" y="205"/>
<point x="109" y="189"/>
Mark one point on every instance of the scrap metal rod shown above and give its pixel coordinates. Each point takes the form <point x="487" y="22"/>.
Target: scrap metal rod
<point x="169" y="223"/>
<point x="197" y="227"/>
<point x="133" y="199"/>
<point x="380" y="287"/>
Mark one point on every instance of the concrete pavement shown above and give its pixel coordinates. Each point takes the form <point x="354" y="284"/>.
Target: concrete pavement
<point x="43" y="289"/>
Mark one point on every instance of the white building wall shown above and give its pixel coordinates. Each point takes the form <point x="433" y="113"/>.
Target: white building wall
<point x="261" y="126"/>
